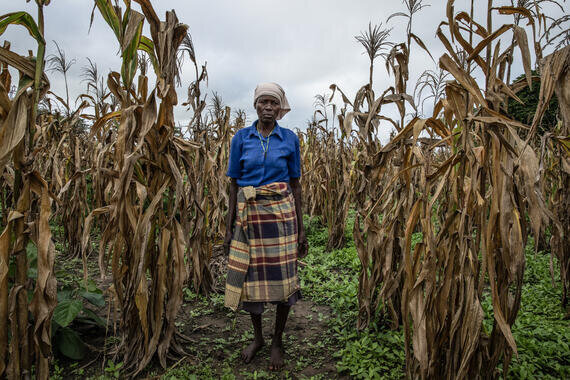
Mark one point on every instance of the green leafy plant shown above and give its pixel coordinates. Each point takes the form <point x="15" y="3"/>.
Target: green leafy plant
<point x="541" y="331"/>
<point x="72" y="308"/>
<point x="113" y="369"/>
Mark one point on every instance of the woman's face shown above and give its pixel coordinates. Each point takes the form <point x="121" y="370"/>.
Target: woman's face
<point x="267" y="108"/>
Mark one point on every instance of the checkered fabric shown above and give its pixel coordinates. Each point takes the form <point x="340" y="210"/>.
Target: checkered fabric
<point x="262" y="265"/>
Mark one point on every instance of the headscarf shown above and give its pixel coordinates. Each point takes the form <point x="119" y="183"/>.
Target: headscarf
<point x="273" y="89"/>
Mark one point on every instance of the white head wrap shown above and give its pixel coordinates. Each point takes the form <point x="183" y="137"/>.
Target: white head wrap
<point x="273" y="89"/>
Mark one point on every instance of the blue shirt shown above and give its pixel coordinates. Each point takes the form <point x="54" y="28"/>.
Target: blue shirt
<point x="251" y="167"/>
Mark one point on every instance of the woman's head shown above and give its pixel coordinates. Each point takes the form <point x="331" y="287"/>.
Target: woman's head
<point x="270" y="101"/>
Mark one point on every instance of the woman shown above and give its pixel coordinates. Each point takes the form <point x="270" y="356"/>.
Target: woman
<point x="265" y="233"/>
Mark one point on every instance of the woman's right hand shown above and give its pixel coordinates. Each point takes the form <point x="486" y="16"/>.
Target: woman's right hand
<point x="227" y="241"/>
<point x="231" y="217"/>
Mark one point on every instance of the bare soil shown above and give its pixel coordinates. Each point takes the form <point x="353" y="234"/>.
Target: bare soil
<point x="221" y="335"/>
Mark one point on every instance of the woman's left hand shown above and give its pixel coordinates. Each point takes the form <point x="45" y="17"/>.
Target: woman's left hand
<point x="227" y="242"/>
<point x="303" y="245"/>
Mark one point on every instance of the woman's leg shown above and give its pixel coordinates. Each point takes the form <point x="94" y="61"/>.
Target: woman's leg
<point x="249" y="352"/>
<point x="276" y="361"/>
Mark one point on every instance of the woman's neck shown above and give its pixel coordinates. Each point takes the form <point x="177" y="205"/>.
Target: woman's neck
<point x="265" y="129"/>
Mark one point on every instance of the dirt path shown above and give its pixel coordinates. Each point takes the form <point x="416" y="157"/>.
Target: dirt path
<point x="219" y="336"/>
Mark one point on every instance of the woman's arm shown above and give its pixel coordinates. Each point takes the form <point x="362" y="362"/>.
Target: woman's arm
<point x="297" y="194"/>
<point x="231" y="217"/>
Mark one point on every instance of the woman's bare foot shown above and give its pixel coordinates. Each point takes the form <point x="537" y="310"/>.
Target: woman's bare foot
<point x="276" y="361"/>
<point x="249" y="352"/>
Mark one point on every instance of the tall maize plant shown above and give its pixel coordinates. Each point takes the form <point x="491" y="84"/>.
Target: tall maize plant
<point x="24" y="342"/>
<point x="218" y="146"/>
<point x="206" y="176"/>
<point x="327" y="158"/>
<point x="313" y="190"/>
<point x="65" y="146"/>
<point x="336" y="181"/>
<point x="209" y="184"/>
<point x="149" y="201"/>
<point x="469" y="206"/>
<point x="555" y="159"/>
<point x="101" y="158"/>
<point x="377" y="239"/>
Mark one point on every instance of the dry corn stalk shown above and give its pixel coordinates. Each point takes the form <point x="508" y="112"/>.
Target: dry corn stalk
<point x="208" y="182"/>
<point x="555" y="160"/>
<point x="326" y="169"/>
<point x="148" y="201"/>
<point x="27" y="215"/>
<point x="467" y="189"/>
<point x="379" y="250"/>
<point x="206" y="176"/>
<point x="65" y="145"/>
<point x="337" y="165"/>
<point x="313" y="191"/>
<point x="480" y="200"/>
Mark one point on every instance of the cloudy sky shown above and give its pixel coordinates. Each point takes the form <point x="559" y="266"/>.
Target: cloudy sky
<point x="305" y="45"/>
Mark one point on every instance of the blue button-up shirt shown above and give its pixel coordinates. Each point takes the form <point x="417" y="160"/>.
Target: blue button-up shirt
<point x="251" y="167"/>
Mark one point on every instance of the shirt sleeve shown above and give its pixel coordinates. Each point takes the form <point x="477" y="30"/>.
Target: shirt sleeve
<point x="294" y="162"/>
<point x="234" y="166"/>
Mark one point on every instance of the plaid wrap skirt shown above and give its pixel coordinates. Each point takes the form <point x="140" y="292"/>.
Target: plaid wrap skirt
<point x="262" y="265"/>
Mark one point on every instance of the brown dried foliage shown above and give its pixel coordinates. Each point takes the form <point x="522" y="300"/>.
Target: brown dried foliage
<point x="148" y="202"/>
<point x="468" y="189"/>
<point x="555" y="160"/>
<point x="326" y="168"/>
<point x="24" y="342"/>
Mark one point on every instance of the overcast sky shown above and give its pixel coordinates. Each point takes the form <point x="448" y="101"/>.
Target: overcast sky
<point x="304" y="45"/>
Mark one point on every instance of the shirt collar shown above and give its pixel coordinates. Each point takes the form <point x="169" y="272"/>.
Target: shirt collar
<point x="276" y="132"/>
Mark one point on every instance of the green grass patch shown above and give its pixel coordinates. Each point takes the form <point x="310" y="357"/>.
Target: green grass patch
<point x="541" y="331"/>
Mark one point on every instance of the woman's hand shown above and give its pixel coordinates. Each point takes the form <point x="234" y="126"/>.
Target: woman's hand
<point x="227" y="241"/>
<point x="302" y="245"/>
<point x="231" y="215"/>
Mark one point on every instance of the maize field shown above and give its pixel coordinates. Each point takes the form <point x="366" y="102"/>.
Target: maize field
<point x="112" y="214"/>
